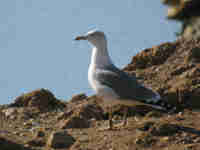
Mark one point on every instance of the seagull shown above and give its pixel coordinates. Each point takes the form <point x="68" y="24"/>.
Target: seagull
<point x="112" y="84"/>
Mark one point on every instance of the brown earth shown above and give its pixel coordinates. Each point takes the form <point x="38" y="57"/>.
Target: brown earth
<point x="37" y="120"/>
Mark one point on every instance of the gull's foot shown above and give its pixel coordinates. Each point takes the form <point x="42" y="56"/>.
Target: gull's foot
<point x="107" y="128"/>
<point x="136" y="119"/>
<point x="122" y="124"/>
<point x="110" y="127"/>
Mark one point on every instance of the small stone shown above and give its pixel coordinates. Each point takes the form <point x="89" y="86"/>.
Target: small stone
<point x="165" y="138"/>
<point x="28" y="124"/>
<point x="60" y="139"/>
<point x="197" y="140"/>
<point x="17" y="133"/>
<point x="10" y="112"/>
<point x="40" y="134"/>
<point x="84" y="138"/>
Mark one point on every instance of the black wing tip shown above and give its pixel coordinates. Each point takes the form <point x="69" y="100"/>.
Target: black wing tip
<point x="160" y="104"/>
<point x="168" y="107"/>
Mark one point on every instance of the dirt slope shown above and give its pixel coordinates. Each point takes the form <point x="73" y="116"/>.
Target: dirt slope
<point x="38" y="120"/>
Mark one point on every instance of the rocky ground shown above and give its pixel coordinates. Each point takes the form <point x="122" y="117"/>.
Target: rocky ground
<point x="38" y="120"/>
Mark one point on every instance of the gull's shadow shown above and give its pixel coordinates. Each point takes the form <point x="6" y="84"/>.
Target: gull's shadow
<point x="6" y="144"/>
<point x="189" y="130"/>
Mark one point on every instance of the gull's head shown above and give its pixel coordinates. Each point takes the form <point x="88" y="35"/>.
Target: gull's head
<point x="95" y="37"/>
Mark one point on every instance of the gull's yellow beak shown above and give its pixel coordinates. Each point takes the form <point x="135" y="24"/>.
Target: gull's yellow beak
<point x="80" y="38"/>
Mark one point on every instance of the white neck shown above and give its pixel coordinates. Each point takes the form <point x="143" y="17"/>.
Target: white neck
<point x="100" y="57"/>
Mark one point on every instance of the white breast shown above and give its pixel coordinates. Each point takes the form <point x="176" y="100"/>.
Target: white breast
<point x="91" y="78"/>
<point x="101" y="90"/>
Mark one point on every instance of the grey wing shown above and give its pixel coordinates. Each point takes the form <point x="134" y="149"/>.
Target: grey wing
<point x="124" y="85"/>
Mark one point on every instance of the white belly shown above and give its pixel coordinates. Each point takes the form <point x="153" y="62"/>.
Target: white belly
<point x="101" y="90"/>
<point x="91" y="78"/>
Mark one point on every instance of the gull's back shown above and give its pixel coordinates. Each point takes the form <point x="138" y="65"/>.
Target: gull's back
<point x="124" y="85"/>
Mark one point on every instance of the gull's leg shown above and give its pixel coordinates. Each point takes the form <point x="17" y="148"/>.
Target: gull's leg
<point x="125" y="115"/>
<point x="124" y="119"/>
<point x="110" y="123"/>
<point x="110" y="118"/>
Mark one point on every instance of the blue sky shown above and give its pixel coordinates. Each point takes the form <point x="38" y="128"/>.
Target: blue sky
<point x="37" y="49"/>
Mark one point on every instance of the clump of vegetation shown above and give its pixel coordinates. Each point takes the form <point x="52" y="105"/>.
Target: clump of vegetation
<point x="188" y="14"/>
